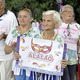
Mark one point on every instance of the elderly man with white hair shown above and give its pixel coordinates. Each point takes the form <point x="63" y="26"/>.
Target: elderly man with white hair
<point x="7" y="22"/>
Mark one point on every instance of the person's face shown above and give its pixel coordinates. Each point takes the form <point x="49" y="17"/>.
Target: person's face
<point x="48" y="23"/>
<point x="1" y="5"/>
<point x="35" y="20"/>
<point x="24" y="18"/>
<point x="67" y="15"/>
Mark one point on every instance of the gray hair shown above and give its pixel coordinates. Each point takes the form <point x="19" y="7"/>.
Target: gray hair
<point x="30" y="13"/>
<point x="64" y="7"/>
<point x="56" y="17"/>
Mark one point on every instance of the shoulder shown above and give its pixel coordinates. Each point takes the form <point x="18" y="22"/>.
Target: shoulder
<point x="35" y="33"/>
<point x="59" y="38"/>
<point x="13" y="30"/>
<point x="63" y="26"/>
<point x="10" y="14"/>
<point x="76" y="26"/>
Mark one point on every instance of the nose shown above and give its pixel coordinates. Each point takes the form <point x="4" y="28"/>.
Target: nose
<point x="45" y="23"/>
<point x="22" y="18"/>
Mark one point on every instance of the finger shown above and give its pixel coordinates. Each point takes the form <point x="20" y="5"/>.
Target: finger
<point x="64" y="65"/>
<point x="16" y="55"/>
<point x="9" y="43"/>
<point x="64" y="61"/>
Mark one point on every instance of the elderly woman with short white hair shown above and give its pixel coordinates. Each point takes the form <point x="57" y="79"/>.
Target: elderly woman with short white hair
<point x="70" y="32"/>
<point x="51" y="21"/>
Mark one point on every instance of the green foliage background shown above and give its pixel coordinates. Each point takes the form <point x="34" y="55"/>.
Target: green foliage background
<point x="38" y="6"/>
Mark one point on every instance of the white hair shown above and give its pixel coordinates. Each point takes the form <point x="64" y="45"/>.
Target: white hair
<point x="66" y="6"/>
<point x="56" y="17"/>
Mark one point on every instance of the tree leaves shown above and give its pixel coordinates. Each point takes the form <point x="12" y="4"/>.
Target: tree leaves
<point x="38" y="6"/>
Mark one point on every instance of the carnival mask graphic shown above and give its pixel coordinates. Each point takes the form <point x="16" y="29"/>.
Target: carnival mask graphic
<point x="44" y="49"/>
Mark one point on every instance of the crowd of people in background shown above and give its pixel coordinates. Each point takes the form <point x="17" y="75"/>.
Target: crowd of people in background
<point x="51" y="26"/>
<point x="37" y="25"/>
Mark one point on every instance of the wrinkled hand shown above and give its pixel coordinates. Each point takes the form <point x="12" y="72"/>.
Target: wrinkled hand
<point x="16" y="55"/>
<point x="13" y="45"/>
<point x="64" y="63"/>
<point x="7" y="49"/>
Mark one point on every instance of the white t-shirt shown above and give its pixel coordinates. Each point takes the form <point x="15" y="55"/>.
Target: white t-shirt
<point x="71" y="37"/>
<point x="7" y="22"/>
<point x="35" y="25"/>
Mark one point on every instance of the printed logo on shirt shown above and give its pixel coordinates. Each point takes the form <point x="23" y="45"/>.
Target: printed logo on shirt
<point x="1" y="19"/>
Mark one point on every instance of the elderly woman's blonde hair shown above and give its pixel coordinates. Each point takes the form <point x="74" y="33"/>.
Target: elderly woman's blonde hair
<point x="56" y="17"/>
<point x="66" y="6"/>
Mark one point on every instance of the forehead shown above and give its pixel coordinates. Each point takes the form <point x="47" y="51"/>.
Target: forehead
<point x="70" y="9"/>
<point x="48" y="17"/>
<point x="23" y="13"/>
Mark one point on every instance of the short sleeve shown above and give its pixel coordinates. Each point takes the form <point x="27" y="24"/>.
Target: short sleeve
<point x="9" y="37"/>
<point x="11" y="22"/>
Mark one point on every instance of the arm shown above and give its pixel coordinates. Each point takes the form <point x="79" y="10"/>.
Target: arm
<point x="3" y="36"/>
<point x="78" y="44"/>
<point x="8" y="49"/>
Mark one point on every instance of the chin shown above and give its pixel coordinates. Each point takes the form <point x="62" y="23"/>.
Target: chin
<point x="22" y="24"/>
<point x="47" y="29"/>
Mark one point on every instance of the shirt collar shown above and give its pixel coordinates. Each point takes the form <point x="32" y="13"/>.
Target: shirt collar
<point x="4" y="13"/>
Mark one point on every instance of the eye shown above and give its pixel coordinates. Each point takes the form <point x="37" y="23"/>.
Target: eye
<point x="43" y="20"/>
<point x="25" y="16"/>
<point x="49" y="20"/>
<point x="19" y="16"/>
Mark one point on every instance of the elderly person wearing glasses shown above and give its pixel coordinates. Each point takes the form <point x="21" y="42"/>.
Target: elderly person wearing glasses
<point x="70" y="32"/>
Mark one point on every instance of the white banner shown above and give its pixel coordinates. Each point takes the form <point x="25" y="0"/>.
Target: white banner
<point x="40" y="55"/>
